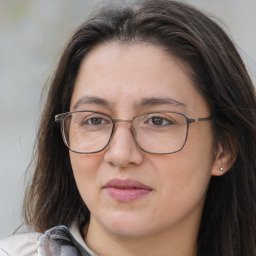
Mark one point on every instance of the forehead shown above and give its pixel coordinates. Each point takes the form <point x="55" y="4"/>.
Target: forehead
<point x="123" y="75"/>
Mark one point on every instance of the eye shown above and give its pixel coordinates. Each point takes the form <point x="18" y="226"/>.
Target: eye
<point x="89" y="121"/>
<point x="95" y="121"/>
<point x="159" y="121"/>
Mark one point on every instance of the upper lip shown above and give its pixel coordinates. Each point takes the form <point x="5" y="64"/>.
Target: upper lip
<point x="126" y="184"/>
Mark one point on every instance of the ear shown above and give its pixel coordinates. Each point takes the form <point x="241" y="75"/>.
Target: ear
<point x="223" y="161"/>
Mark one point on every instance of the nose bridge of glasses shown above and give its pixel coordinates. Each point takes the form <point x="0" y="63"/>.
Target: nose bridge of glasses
<point x="114" y="130"/>
<point x="116" y="120"/>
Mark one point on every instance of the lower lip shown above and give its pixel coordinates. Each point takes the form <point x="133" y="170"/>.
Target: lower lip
<point x="126" y="195"/>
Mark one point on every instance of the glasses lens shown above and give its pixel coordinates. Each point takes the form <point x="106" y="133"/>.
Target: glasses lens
<point x="160" y="132"/>
<point x="86" y="132"/>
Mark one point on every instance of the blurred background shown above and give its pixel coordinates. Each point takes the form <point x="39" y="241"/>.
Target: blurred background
<point x="32" y="36"/>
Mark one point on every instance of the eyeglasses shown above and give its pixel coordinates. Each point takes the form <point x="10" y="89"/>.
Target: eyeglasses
<point x="162" y="132"/>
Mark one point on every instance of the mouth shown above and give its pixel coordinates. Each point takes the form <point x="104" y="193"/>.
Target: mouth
<point x="127" y="190"/>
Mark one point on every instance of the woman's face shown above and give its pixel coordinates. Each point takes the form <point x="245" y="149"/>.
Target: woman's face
<point x="131" y="193"/>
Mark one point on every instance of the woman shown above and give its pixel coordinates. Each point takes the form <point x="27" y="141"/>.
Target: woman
<point x="157" y="115"/>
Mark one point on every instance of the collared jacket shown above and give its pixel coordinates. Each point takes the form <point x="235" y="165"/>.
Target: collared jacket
<point x="57" y="241"/>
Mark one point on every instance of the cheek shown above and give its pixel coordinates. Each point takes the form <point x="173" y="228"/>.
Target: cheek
<point x="85" y="172"/>
<point x="185" y="177"/>
<point x="198" y="152"/>
<point x="186" y="174"/>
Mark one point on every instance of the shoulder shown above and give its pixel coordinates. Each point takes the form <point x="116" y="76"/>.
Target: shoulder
<point x="20" y="244"/>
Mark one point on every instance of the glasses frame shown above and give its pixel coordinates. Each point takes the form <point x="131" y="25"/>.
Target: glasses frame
<point x="59" y="118"/>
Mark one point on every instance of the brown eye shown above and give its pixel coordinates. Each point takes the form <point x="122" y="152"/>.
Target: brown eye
<point x="159" y="121"/>
<point x="95" y="121"/>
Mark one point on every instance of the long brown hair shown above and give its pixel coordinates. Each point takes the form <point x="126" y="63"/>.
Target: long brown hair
<point x="228" y="225"/>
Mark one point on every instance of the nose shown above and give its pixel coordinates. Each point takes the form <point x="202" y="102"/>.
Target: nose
<point x="122" y="150"/>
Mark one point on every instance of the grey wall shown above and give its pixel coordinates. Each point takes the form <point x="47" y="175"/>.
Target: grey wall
<point x="32" y="35"/>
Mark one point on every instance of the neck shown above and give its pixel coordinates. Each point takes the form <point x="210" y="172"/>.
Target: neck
<point x="181" y="241"/>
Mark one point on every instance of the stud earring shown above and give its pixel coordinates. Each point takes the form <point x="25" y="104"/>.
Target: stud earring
<point x="221" y="169"/>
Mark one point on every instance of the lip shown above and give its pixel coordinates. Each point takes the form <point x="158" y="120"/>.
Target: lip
<point x="127" y="190"/>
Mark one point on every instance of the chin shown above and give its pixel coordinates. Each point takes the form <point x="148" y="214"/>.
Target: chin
<point x="126" y="226"/>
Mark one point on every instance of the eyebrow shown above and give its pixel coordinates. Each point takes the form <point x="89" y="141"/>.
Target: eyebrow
<point x="156" y="101"/>
<point x="153" y="101"/>
<point x="91" y="100"/>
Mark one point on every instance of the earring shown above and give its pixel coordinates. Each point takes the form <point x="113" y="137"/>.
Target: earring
<point x="221" y="169"/>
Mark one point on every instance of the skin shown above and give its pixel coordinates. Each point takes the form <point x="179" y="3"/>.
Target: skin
<point x="165" y="221"/>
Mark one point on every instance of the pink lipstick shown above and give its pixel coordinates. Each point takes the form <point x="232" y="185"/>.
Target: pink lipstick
<point x="127" y="190"/>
